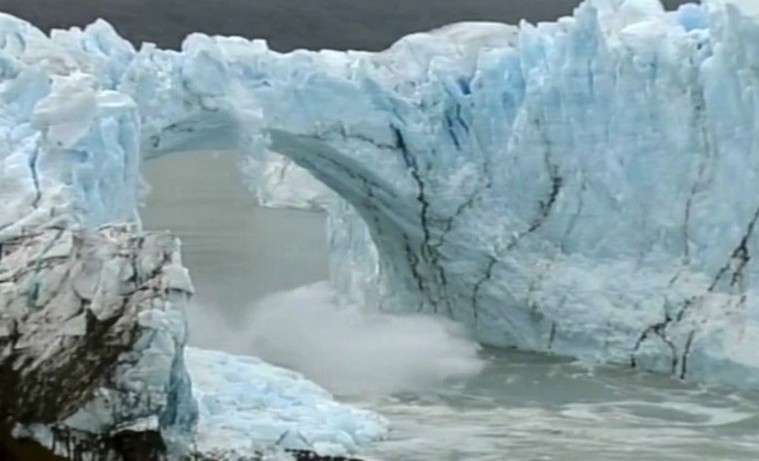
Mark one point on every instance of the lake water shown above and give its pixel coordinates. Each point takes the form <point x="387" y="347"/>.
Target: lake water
<point x="446" y="400"/>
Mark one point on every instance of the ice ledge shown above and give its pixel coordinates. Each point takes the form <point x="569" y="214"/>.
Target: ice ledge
<point x="246" y="404"/>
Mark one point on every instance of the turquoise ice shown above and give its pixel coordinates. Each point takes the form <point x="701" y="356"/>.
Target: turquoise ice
<point x="584" y="188"/>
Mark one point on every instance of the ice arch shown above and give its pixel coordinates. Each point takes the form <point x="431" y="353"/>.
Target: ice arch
<point x="581" y="187"/>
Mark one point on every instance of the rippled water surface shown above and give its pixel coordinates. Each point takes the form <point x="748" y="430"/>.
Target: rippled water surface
<point x="529" y="407"/>
<point x="520" y="407"/>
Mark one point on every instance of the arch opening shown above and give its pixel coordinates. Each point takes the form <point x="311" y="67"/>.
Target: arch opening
<point x="262" y="289"/>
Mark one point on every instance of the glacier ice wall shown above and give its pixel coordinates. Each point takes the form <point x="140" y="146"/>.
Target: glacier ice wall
<point x="277" y="182"/>
<point x="580" y="187"/>
<point x="92" y="328"/>
<point x="70" y="158"/>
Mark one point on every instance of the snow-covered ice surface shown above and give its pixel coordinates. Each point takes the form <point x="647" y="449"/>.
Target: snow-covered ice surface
<point x="248" y="406"/>
<point x="581" y="187"/>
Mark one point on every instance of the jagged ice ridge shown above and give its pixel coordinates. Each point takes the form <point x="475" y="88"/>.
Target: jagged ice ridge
<point x="581" y="187"/>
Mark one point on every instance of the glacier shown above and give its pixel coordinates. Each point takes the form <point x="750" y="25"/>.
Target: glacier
<point x="580" y="188"/>
<point x="93" y="363"/>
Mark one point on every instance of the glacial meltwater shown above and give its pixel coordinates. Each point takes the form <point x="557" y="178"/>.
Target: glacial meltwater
<point x="260" y="277"/>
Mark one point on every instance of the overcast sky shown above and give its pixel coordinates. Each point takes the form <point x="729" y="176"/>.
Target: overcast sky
<point x="287" y="24"/>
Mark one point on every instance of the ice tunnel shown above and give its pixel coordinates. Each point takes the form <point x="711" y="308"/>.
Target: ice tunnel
<point x="583" y="188"/>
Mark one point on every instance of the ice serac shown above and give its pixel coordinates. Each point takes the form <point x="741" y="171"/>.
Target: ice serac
<point x="92" y="329"/>
<point x="581" y="187"/>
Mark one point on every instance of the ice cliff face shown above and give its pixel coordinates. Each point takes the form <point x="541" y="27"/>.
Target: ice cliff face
<point x="582" y="187"/>
<point x="574" y="187"/>
<point x="92" y="330"/>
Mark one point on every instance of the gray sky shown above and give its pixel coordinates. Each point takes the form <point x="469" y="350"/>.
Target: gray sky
<point x="287" y="24"/>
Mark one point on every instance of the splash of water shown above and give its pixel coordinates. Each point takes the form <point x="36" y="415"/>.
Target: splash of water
<point x="354" y="352"/>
